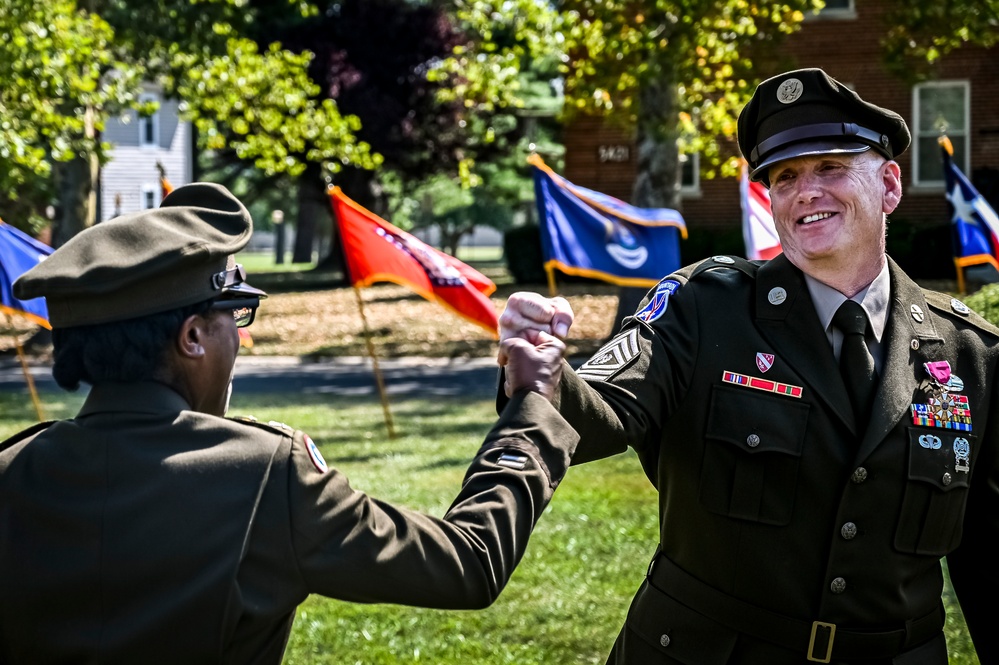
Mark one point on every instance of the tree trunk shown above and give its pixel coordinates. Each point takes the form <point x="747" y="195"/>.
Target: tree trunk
<point x="310" y="200"/>
<point x="657" y="179"/>
<point x="77" y="197"/>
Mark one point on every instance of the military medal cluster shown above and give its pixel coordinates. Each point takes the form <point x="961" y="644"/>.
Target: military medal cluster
<point x="945" y="409"/>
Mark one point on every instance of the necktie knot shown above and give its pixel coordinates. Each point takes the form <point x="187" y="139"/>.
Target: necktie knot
<point x="851" y="318"/>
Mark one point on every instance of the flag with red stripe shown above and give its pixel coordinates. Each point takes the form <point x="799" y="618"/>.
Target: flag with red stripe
<point x="377" y="251"/>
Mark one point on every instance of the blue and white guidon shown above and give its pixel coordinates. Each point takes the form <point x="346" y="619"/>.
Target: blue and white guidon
<point x="657" y="306"/>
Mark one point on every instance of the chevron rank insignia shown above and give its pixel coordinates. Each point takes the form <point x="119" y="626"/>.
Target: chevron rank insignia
<point x="614" y="356"/>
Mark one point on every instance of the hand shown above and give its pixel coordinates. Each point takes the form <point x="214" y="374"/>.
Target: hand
<point x="528" y="312"/>
<point x="534" y="361"/>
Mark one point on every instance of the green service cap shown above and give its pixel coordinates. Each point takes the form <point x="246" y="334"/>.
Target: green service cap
<point x="807" y="112"/>
<point x="147" y="262"/>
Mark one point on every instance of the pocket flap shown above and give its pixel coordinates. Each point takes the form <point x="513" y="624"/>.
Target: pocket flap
<point x="757" y="422"/>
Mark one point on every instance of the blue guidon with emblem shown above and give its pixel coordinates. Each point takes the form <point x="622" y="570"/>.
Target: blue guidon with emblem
<point x="657" y="306"/>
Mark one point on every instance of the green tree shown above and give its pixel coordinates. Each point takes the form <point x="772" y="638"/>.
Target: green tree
<point x="919" y="33"/>
<point x="92" y="57"/>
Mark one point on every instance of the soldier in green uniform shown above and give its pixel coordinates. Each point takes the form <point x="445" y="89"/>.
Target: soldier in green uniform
<point x="819" y="428"/>
<point x="151" y="529"/>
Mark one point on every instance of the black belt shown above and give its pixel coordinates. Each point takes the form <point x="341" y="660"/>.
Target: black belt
<point x="818" y="640"/>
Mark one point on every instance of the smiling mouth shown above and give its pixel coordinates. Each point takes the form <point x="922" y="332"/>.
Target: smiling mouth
<point x="808" y="219"/>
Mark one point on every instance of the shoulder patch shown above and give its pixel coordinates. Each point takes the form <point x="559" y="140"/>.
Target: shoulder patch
<point x="656" y="307"/>
<point x="612" y="357"/>
<point x="314" y="454"/>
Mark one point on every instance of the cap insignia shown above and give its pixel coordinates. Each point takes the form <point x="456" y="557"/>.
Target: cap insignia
<point x="789" y="91"/>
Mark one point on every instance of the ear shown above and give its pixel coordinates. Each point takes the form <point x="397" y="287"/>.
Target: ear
<point x="191" y="337"/>
<point x="891" y="177"/>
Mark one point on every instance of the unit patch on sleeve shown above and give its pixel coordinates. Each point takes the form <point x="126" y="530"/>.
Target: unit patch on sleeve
<point x="660" y="299"/>
<point x="614" y="356"/>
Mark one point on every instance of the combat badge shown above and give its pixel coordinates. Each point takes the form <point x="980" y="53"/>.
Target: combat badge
<point x="660" y="299"/>
<point x="614" y="356"/>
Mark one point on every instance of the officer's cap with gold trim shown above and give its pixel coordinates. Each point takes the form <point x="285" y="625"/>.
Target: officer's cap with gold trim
<point x="807" y="112"/>
<point x="147" y="262"/>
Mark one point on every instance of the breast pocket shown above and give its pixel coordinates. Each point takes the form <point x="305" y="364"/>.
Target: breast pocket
<point x="932" y="512"/>
<point x="752" y="454"/>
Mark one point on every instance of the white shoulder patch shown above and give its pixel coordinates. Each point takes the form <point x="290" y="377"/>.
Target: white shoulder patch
<point x="614" y="356"/>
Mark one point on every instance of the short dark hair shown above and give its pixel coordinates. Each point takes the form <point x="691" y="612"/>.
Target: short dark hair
<point x="124" y="351"/>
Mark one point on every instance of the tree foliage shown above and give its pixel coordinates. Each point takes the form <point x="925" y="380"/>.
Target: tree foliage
<point x="66" y="66"/>
<point x="919" y="33"/>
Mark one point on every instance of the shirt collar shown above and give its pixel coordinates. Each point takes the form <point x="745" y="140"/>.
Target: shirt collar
<point x="132" y="397"/>
<point x="874" y="299"/>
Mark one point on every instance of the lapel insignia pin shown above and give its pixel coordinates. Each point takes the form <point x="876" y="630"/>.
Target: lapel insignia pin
<point x="764" y="361"/>
<point x="761" y="384"/>
<point x="777" y="295"/>
<point x="917" y="313"/>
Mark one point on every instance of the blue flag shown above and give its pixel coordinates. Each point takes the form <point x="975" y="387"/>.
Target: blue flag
<point x="19" y="253"/>
<point x="976" y="225"/>
<point x="590" y="234"/>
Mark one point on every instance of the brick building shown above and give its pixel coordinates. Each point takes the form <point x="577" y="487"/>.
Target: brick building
<point x="844" y="40"/>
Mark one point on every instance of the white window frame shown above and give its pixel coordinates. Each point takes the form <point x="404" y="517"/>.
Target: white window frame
<point x="919" y="133"/>
<point x="150" y="192"/>
<point x="692" y="189"/>
<point x="836" y="13"/>
<point x="152" y="121"/>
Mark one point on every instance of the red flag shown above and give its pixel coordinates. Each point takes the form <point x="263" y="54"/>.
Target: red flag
<point x="758" y="228"/>
<point x="376" y="251"/>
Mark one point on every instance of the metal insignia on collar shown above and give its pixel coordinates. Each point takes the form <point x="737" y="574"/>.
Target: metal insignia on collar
<point x="789" y="91"/>
<point x="611" y="358"/>
<point x="917" y="313"/>
<point x="728" y="260"/>
<point x="777" y="295"/>
<point x="959" y="306"/>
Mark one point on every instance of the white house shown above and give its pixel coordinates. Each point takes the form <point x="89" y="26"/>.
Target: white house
<point x="130" y="181"/>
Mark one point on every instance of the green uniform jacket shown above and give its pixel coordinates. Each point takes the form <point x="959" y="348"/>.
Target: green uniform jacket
<point x="780" y="501"/>
<point x="143" y="532"/>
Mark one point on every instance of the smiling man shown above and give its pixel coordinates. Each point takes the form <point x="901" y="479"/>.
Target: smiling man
<point x="820" y="429"/>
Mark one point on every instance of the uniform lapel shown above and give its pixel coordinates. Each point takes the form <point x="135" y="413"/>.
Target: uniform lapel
<point x="909" y="329"/>
<point x="789" y="322"/>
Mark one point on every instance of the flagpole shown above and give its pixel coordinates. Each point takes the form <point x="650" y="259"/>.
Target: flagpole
<point x="27" y="373"/>
<point x="374" y="361"/>
<point x="552" y="290"/>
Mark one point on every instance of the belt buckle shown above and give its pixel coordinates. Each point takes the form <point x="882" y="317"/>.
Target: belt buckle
<point x="831" y="627"/>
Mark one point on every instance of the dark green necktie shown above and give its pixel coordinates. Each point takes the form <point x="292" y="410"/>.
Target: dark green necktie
<point x="856" y="363"/>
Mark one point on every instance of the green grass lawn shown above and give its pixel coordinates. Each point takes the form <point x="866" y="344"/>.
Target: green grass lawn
<point x="566" y="601"/>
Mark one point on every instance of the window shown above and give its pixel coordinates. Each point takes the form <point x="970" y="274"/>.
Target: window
<point x="939" y="107"/>
<point x="149" y="125"/>
<point x="690" y="174"/>
<point x="835" y="9"/>
<point x="150" y="195"/>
